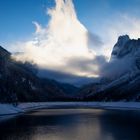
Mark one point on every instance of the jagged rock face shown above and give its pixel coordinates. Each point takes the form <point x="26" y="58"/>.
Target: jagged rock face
<point x="125" y="46"/>
<point x="4" y="53"/>
<point x="132" y="47"/>
<point x="122" y="40"/>
<point x="4" y="58"/>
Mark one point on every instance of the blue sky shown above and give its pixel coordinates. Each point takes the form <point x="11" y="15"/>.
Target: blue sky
<point x="67" y="46"/>
<point x="16" y="16"/>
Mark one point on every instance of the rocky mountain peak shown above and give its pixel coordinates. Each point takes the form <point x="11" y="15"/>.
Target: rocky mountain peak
<point x="4" y="53"/>
<point x="122" y="40"/>
<point x="126" y="47"/>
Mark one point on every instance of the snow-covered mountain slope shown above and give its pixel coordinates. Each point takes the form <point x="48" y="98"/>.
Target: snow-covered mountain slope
<point x="126" y="46"/>
<point x="128" y="50"/>
<point x="125" y="81"/>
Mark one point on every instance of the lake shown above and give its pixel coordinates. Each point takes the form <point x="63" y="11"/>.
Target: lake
<point x="73" y="124"/>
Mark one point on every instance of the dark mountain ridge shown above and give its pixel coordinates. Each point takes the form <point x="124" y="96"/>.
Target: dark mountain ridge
<point x="20" y="83"/>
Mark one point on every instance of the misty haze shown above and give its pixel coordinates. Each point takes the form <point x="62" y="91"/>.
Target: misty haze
<point x="69" y="70"/>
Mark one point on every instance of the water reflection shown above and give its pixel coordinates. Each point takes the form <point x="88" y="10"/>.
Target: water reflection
<point x="121" y="125"/>
<point x="73" y="124"/>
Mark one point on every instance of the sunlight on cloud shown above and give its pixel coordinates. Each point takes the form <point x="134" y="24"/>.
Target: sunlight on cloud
<point x="62" y="40"/>
<point x="65" y="46"/>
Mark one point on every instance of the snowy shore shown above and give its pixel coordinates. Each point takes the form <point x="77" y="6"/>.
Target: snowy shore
<point x="8" y="110"/>
<point x="99" y="105"/>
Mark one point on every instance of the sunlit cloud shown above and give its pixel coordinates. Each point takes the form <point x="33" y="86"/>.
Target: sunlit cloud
<point x="65" y="45"/>
<point x="63" y="40"/>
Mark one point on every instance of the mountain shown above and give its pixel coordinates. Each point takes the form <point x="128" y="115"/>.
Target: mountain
<point x="120" y="47"/>
<point x="125" y="84"/>
<point x="20" y="83"/>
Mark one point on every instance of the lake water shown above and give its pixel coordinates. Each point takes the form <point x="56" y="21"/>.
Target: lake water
<point x="73" y="124"/>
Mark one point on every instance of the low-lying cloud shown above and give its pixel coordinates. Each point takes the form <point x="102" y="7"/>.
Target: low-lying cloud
<point x="116" y="68"/>
<point x="65" y="77"/>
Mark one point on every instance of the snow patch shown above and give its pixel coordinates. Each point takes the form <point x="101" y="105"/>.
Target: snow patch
<point x="7" y="110"/>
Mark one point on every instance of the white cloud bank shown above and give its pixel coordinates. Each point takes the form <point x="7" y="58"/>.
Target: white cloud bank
<point x="116" y="26"/>
<point x="64" y="45"/>
<point x="63" y="40"/>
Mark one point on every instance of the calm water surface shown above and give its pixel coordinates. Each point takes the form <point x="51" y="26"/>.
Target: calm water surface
<point x="73" y="124"/>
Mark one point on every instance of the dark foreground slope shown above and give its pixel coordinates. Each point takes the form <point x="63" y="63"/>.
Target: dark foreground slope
<point x="19" y="82"/>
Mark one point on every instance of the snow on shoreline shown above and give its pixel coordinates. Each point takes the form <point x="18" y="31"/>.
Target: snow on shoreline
<point x="7" y="110"/>
<point x="100" y="105"/>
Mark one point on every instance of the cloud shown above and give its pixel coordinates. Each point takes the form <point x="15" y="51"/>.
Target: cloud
<point x="65" y="77"/>
<point x="94" y="40"/>
<point x="63" y="45"/>
<point x="65" y="49"/>
<point x="86" y="66"/>
<point x="116" y="68"/>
